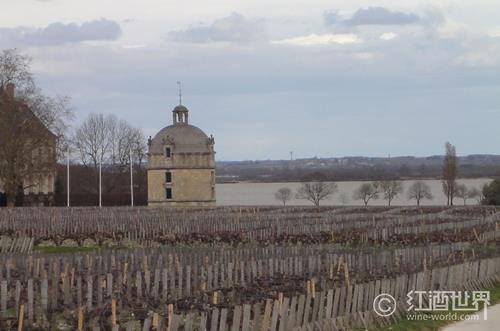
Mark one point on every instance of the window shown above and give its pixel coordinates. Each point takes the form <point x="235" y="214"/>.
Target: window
<point x="168" y="177"/>
<point x="168" y="193"/>
<point x="168" y="152"/>
<point x="212" y="177"/>
<point x="213" y="193"/>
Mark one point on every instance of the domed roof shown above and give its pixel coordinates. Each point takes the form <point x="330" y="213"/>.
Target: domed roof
<point x="183" y="134"/>
<point x="184" y="137"/>
<point x="180" y="108"/>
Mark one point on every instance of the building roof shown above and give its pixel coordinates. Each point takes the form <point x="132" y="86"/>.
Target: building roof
<point x="185" y="138"/>
<point x="7" y="95"/>
<point x="182" y="136"/>
<point x="180" y="108"/>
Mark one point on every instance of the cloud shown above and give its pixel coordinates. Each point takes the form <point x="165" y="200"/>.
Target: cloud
<point x="381" y="16"/>
<point x="324" y="39"/>
<point x="233" y="28"/>
<point x="60" y="33"/>
<point x="331" y="17"/>
<point x="372" y="16"/>
<point x="388" y="36"/>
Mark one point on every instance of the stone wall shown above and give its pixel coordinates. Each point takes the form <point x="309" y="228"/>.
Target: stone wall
<point x="189" y="187"/>
<point x="182" y="160"/>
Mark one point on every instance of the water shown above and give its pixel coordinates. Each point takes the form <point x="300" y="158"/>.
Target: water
<point x="263" y="194"/>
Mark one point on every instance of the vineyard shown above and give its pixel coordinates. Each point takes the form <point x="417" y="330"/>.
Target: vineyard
<point x="249" y="269"/>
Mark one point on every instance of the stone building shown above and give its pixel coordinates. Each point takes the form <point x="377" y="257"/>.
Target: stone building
<point x="34" y="153"/>
<point x="181" y="164"/>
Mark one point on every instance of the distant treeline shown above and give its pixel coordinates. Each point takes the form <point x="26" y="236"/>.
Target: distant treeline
<point x="355" y="168"/>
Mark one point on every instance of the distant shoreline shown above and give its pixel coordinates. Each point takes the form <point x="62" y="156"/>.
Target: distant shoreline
<point x="348" y="180"/>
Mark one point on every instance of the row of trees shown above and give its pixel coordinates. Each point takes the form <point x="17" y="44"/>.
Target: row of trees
<point x="316" y="192"/>
<point x="418" y="191"/>
<point x="108" y="143"/>
<point x="390" y="189"/>
<point x="106" y="139"/>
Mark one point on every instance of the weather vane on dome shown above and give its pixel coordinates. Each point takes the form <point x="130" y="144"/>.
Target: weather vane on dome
<point x="180" y="92"/>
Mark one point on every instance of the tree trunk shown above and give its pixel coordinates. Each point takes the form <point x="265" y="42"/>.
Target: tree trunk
<point x="11" y="191"/>
<point x="11" y="200"/>
<point x="418" y="202"/>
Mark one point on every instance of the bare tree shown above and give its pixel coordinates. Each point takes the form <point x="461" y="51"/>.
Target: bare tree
<point x="93" y="139"/>
<point x="491" y="193"/>
<point x="419" y="190"/>
<point x="391" y="189"/>
<point x="366" y="192"/>
<point x="465" y="193"/>
<point x="15" y="70"/>
<point x="449" y="177"/>
<point x="55" y="113"/>
<point x="284" y="195"/>
<point x="124" y="140"/>
<point x="31" y="125"/>
<point x="461" y="192"/>
<point x="476" y="194"/>
<point x="139" y="152"/>
<point x="343" y="198"/>
<point x="316" y="191"/>
<point x="105" y="139"/>
<point x="138" y="146"/>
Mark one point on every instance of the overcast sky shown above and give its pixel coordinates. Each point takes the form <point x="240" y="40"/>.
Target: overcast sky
<point x="321" y="78"/>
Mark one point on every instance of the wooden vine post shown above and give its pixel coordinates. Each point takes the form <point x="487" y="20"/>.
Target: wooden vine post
<point x="80" y="318"/>
<point x="21" y="318"/>
<point x="113" y="312"/>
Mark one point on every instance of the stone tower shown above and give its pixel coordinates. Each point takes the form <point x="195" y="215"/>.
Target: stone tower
<point x="181" y="164"/>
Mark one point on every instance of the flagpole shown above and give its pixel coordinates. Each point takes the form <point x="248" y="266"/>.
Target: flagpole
<point x="100" y="183"/>
<point x="131" y="181"/>
<point x="67" y="178"/>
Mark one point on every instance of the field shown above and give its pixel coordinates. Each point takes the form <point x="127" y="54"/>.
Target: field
<point x="251" y="268"/>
